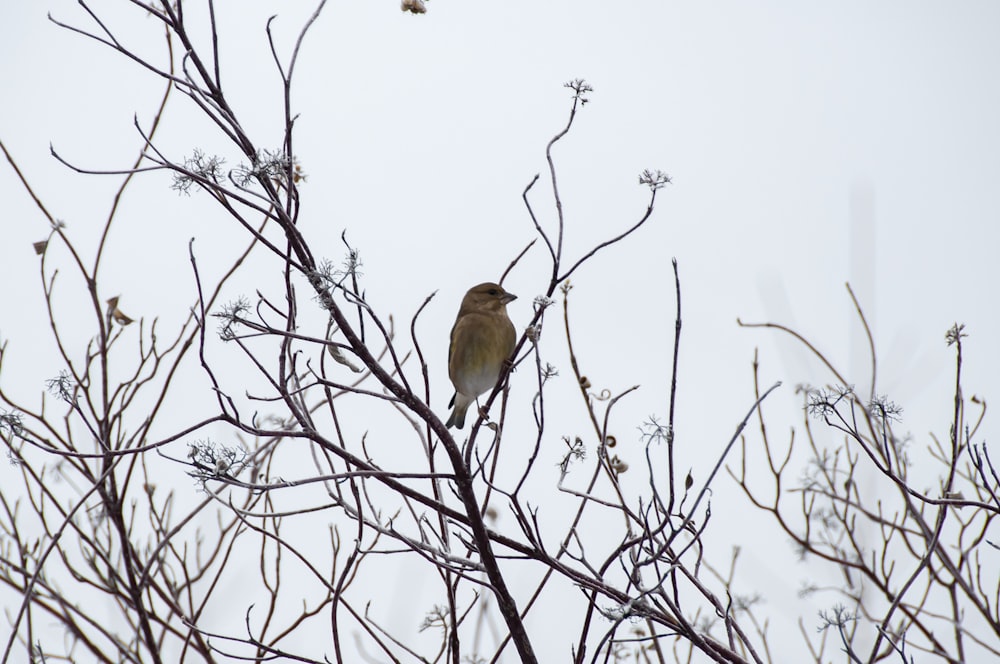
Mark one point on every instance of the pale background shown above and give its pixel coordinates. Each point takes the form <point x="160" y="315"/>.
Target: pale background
<point x="809" y="146"/>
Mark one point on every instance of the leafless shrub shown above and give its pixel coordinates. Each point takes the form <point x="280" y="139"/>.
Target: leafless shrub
<point x="918" y="580"/>
<point x="295" y="510"/>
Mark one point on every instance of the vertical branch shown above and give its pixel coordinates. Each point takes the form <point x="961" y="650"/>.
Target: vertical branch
<point x="674" y="364"/>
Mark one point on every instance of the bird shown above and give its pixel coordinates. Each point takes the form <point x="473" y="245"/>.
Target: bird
<point x="481" y="341"/>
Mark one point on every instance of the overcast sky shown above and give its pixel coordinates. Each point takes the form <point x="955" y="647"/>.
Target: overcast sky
<point x="809" y="146"/>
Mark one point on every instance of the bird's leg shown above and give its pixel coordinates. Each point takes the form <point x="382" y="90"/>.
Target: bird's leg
<point x="482" y="412"/>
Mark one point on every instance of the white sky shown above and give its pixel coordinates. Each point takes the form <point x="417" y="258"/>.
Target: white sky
<point x="419" y="133"/>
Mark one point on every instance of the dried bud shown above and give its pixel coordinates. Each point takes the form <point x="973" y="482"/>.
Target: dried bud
<point x="339" y="357"/>
<point x="117" y="314"/>
<point x="121" y="318"/>
<point x="618" y="465"/>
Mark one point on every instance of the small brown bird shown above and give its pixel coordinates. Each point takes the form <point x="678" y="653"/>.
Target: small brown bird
<point x="481" y="341"/>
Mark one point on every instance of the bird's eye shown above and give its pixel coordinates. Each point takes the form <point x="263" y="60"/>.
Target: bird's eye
<point x="494" y="291"/>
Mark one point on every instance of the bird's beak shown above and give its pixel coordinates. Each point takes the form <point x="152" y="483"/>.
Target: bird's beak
<point x="508" y="298"/>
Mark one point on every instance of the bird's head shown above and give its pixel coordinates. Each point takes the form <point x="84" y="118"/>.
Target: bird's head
<point x="486" y="297"/>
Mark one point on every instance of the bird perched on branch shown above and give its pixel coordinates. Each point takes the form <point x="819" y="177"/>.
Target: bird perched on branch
<point x="481" y="341"/>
